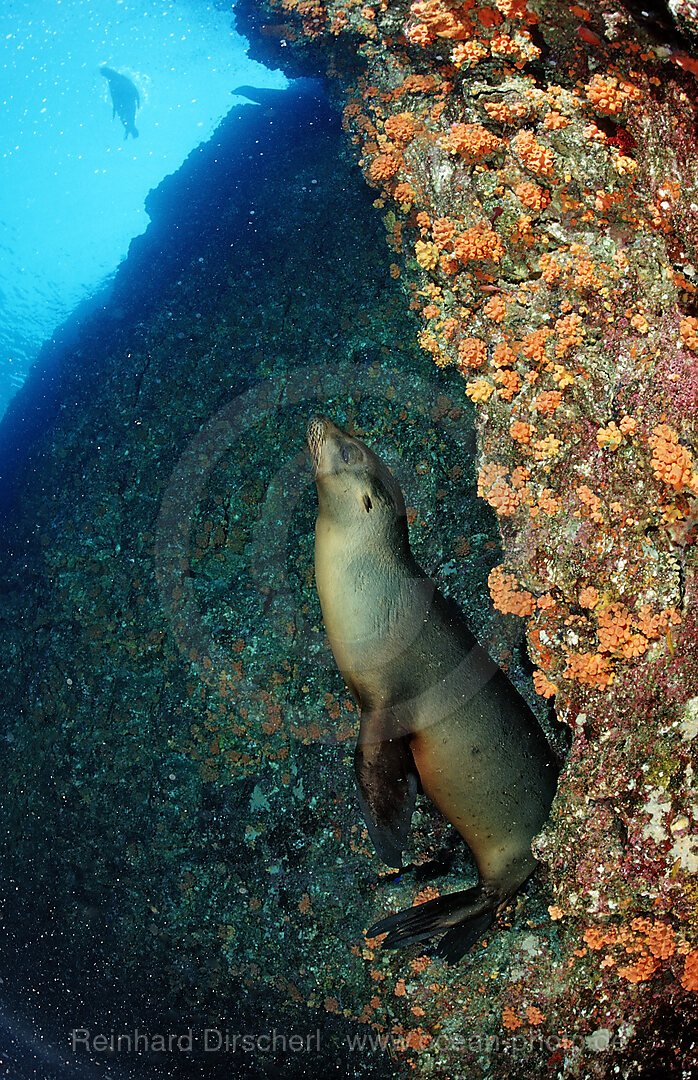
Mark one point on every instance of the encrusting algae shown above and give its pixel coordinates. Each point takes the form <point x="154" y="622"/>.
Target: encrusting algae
<point x="535" y="157"/>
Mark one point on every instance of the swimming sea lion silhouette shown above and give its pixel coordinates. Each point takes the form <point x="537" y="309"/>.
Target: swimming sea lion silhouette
<point x="437" y="713"/>
<point x="302" y="90"/>
<point x="124" y="98"/>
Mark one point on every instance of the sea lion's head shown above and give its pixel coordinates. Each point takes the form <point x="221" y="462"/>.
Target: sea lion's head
<point x="354" y="485"/>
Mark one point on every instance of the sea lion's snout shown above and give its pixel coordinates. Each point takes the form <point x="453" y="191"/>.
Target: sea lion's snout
<point x="316" y="435"/>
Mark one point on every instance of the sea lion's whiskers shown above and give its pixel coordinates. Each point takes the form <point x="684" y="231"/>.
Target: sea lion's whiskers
<point x="316" y="440"/>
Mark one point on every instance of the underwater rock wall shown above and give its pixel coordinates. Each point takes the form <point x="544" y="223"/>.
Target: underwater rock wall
<point x="536" y="164"/>
<point x="181" y="843"/>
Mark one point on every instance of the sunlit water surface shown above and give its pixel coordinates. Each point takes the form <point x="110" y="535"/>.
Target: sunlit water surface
<point x="71" y="189"/>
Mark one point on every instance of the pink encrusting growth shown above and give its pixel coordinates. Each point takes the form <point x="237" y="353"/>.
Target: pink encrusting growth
<point x="545" y="220"/>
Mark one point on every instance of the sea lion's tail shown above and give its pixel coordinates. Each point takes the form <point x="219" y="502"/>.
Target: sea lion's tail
<point x="465" y="915"/>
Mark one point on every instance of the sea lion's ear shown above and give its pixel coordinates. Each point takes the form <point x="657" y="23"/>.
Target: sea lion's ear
<point x="367" y="502"/>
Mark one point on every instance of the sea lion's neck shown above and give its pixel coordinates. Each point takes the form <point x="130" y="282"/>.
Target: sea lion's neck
<point x="370" y="594"/>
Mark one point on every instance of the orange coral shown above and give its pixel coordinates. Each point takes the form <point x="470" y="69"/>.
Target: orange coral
<point x="499" y="111"/>
<point x="503" y="45"/>
<point x="507" y="595"/>
<point x="510" y="1020"/>
<point x="400" y="127"/>
<point x="689" y="979"/>
<point x="503" y="498"/>
<point x="520" y="431"/>
<point x="591" y="131"/>
<point x="542" y="685"/>
<point x="520" y="476"/>
<point x="533" y="196"/>
<point x="547" y="503"/>
<point x="419" y="84"/>
<point x="546" y="448"/>
<point x="472" y="353"/>
<point x="625" y="164"/>
<point x="550" y="267"/>
<point x="588" y="668"/>
<point x="472" y="140"/>
<point x="537" y="158"/>
<point x="547" y="402"/>
<point x="653" y="625"/>
<point x="616" y="633"/>
<point x="404" y="194"/>
<point x="468" y="52"/>
<point x="480" y="242"/>
<point x="383" y="167"/>
<point x="643" y="968"/>
<point x="443" y="230"/>
<point x="570" y="331"/>
<point x="503" y="355"/>
<point x="488" y="475"/>
<point x="609" y="94"/>
<point x="610" y="436"/>
<point x="420" y="35"/>
<point x="442" y="20"/>
<point x="597" y="938"/>
<point x="533" y="345"/>
<point x="661" y="941"/>
<point x="585" y="276"/>
<point x="593" y="502"/>
<point x="479" y="390"/>
<point x="688" y="328"/>
<point x="495" y="309"/>
<point x="671" y="462"/>
<point x="589" y="597"/>
<point x="562" y="377"/>
<point x="509" y="381"/>
<point x="555" y="120"/>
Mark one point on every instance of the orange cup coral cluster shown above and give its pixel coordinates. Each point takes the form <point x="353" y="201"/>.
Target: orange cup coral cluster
<point x="526" y="158"/>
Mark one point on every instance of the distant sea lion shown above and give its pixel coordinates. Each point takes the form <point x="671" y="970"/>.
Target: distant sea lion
<point x="437" y="713"/>
<point x="125" y="100"/>
<point x="272" y="98"/>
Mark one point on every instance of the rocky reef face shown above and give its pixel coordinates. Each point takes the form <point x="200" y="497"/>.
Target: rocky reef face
<point x="181" y="844"/>
<point x="178" y="793"/>
<point x="536" y="165"/>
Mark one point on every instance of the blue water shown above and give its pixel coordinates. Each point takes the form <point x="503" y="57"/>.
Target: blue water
<point x="71" y="189"/>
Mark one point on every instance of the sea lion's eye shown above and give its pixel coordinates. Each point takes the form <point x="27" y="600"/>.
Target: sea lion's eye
<point x="345" y="454"/>
<point x="367" y="503"/>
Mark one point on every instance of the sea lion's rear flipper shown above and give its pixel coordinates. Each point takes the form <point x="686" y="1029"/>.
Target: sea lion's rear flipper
<point x="388" y="783"/>
<point x="465" y="915"/>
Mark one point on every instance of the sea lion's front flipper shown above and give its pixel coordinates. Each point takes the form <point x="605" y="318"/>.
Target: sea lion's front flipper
<point x="388" y="783"/>
<point x="466" y="915"/>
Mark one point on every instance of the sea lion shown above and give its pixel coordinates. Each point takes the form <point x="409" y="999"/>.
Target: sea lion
<point x="437" y="713"/>
<point x="125" y="100"/>
<point x="302" y="88"/>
